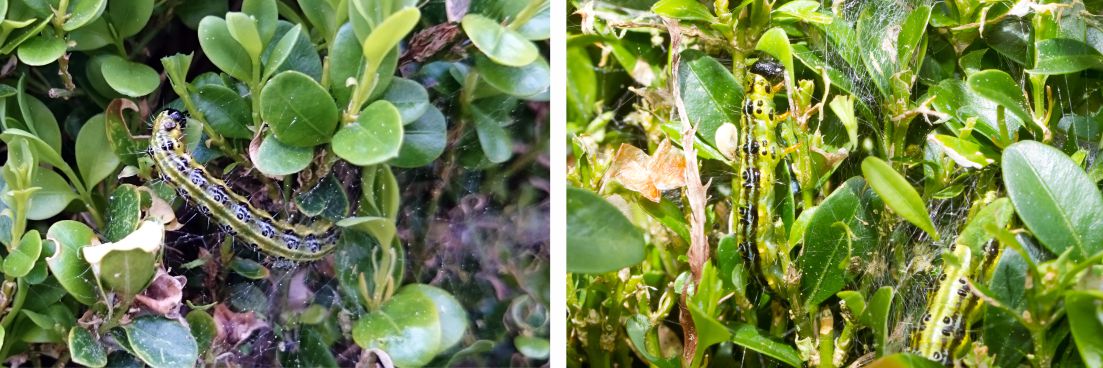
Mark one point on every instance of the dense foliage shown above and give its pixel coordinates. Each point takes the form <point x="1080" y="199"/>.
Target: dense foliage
<point x="418" y="130"/>
<point x="926" y="189"/>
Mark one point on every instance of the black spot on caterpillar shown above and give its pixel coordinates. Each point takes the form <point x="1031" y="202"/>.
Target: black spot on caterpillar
<point x="234" y="214"/>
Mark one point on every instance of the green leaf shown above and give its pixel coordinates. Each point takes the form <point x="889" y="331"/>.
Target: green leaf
<point x="1003" y="334"/>
<point x="1054" y="198"/>
<point x="275" y="158"/>
<point x="582" y="91"/>
<point x="243" y="28"/>
<point x="326" y="199"/>
<point x="221" y="48"/>
<point x="129" y="78"/>
<point x="282" y="50"/>
<point x="997" y="86"/>
<point x="911" y="34"/>
<point x="877" y="316"/>
<point x="41" y="50"/>
<point x="964" y="152"/>
<point x="266" y="14"/>
<point x="192" y="12"/>
<point x="527" y="81"/>
<point x="803" y="10"/>
<point x="409" y="97"/>
<point x="683" y="9"/>
<point x="94" y="162"/>
<point x="1083" y="308"/>
<point x="839" y="230"/>
<point x="423" y="140"/>
<point x="711" y="94"/>
<point x="373" y="138"/>
<point x="345" y="63"/>
<point x="407" y="328"/>
<point x="502" y="45"/>
<point x="751" y="338"/>
<point x="532" y="347"/>
<point x="599" y="238"/>
<point x="249" y="269"/>
<point x="52" y="197"/>
<point x="1012" y="37"/>
<point x="128" y="17"/>
<point x="40" y="120"/>
<point x="228" y="113"/>
<point x="453" y="318"/>
<point x="23" y="257"/>
<point x="380" y="228"/>
<point x="203" y="328"/>
<point x="82" y="12"/>
<point x="898" y="194"/>
<point x="953" y="98"/>
<point x="1064" y="56"/>
<point x="300" y="112"/>
<point x="161" y="342"/>
<point x="123" y="212"/>
<point x="494" y="140"/>
<point x="638" y="327"/>
<point x="322" y="16"/>
<point x="85" y="349"/>
<point x="378" y="44"/>
<point x="68" y="265"/>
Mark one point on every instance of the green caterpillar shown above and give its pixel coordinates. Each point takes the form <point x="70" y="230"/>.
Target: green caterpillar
<point x="234" y="214"/>
<point x="755" y="156"/>
<point x="943" y="329"/>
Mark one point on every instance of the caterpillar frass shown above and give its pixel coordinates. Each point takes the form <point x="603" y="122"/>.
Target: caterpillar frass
<point x="756" y="158"/>
<point x="943" y="329"/>
<point x="233" y="213"/>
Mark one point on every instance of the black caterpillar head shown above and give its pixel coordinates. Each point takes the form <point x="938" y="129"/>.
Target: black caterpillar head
<point x="769" y="68"/>
<point x="176" y="119"/>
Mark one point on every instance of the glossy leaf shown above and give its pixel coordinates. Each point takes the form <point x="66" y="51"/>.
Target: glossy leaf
<point x="82" y="12"/>
<point x="423" y="140"/>
<point x="493" y="138"/>
<point x="128" y="17"/>
<point x="502" y="45"/>
<point x="300" y="112"/>
<point x="1087" y="327"/>
<point x="375" y="137"/>
<point x="227" y="112"/>
<point x="683" y="9"/>
<point x="276" y="158"/>
<point x="711" y="94"/>
<point x="599" y="238"/>
<point x="527" y="81"/>
<point x="94" y="162"/>
<point x="41" y="50"/>
<point x="243" y="28"/>
<point x="407" y="328"/>
<point x="839" y="230"/>
<point x="68" y="265"/>
<point x="1064" y="56"/>
<point x="203" y="328"/>
<point x="897" y="193"/>
<point x="23" y="257"/>
<point x="409" y="97"/>
<point x="85" y="349"/>
<point x="378" y="44"/>
<point x="751" y="338"/>
<point x="53" y="195"/>
<point x="221" y="48"/>
<point x="1054" y="198"/>
<point x="161" y="342"/>
<point x="997" y="86"/>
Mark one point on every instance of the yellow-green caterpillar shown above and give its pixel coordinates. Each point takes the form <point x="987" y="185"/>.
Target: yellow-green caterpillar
<point x="233" y="213"/>
<point x="943" y="329"/>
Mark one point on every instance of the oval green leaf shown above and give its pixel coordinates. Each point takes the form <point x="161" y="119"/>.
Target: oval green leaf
<point x="85" y="349"/>
<point x="221" y="48"/>
<point x="407" y="328"/>
<point x="53" y="195"/>
<point x="129" y="78"/>
<point x="838" y="230"/>
<point x="21" y="259"/>
<point x="527" y="81"/>
<point x="374" y="138"/>
<point x="1054" y="198"/>
<point x="423" y="140"/>
<point x="1064" y="56"/>
<point x="228" y="113"/>
<point x="684" y="10"/>
<point x="409" y="97"/>
<point x="275" y="158"/>
<point x="1084" y="312"/>
<point x="41" y="50"/>
<point x="162" y="343"/>
<point x="93" y="161"/>
<point x="997" y="86"/>
<point x="68" y="265"/>
<point x="300" y="112"/>
<point x="599" y="238"/>
<point x="503" y="45"/>
<point x="897" y="193"/>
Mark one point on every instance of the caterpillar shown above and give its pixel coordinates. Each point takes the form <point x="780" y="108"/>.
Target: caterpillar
<point x="233" y="213"/>
<point x="942" y="331"/>
<point x="757" y="157"/>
